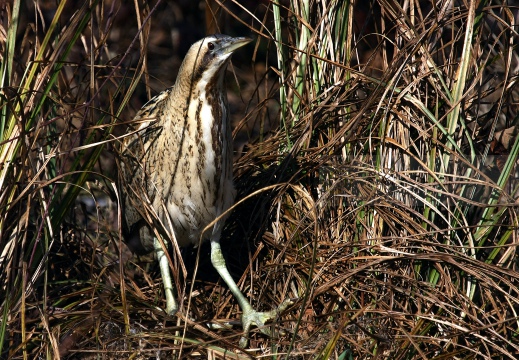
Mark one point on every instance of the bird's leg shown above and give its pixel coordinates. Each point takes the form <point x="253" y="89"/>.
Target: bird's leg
<point x="171" y="302"/>
<point x="249" y="315"/>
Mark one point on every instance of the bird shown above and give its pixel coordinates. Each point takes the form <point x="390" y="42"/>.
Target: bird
<point x="176" y="170"/>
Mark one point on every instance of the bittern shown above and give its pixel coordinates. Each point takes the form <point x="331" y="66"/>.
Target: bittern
<point x="176" y="168"/>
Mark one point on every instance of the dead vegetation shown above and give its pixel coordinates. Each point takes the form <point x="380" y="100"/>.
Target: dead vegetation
<point x="376" y="168"/>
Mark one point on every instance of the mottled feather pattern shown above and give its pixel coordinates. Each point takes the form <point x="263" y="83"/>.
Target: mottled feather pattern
<point x="177" y="167"/>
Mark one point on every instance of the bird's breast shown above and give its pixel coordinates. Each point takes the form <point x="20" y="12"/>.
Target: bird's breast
<point x="202" y="184"/>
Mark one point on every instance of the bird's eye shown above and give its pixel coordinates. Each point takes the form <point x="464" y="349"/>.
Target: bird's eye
<point x="210" y="46"/>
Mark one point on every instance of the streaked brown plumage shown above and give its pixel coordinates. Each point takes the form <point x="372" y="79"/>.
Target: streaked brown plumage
<point x="176" y="169"/>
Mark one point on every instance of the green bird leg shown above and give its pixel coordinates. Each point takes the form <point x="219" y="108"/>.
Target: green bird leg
<point x="249" y="315"/>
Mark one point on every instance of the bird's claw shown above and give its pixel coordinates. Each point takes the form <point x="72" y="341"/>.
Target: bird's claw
<point x="252" y="317"/>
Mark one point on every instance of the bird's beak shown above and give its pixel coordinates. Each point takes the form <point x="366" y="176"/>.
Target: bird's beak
<point x="234" y="44"/>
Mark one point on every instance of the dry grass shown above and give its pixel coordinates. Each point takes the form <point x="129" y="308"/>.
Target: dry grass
<point x="378" y="182"/>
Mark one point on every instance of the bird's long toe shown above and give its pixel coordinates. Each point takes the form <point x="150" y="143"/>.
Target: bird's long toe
<point x="252" y="317"/>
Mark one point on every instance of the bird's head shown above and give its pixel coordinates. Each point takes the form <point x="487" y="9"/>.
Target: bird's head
<point x="208" y="56"/>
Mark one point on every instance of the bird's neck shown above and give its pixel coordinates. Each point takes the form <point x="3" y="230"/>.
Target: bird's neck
<point x="189" y="88"/>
